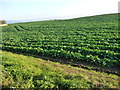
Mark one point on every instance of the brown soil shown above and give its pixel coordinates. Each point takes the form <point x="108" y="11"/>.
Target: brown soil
<point x="85" y="65"/>
<point x="80" y="64"/>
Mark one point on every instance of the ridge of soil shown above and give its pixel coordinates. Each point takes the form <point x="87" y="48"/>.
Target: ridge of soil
<point x="80" y="64"/>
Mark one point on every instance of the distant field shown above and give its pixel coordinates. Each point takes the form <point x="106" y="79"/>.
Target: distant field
<point x="3" y="24"/>
<point x="91" y="39"/>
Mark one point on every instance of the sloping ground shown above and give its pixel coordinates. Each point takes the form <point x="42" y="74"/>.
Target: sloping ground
<point x="92" y="39"/>
<point x="21" y="71"/>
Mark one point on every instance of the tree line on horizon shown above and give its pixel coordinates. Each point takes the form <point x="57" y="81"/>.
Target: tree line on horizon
<point x="2" y="22"/>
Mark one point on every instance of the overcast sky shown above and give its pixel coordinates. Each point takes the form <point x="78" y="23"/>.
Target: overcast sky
<point x="54" y="9"/>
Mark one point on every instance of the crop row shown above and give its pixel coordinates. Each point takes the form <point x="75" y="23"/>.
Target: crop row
<point x="60" y="45"/>
<point x="63" y="54"/>
<point x="83" y="50"/>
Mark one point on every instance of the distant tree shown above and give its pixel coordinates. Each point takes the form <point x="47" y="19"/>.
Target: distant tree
<point x="3" y="22"/>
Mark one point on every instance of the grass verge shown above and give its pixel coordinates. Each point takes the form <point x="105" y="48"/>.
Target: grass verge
<point x="20" y="71"/>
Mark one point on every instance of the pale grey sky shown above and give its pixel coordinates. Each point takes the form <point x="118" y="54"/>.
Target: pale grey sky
<point x="54" y="9"/>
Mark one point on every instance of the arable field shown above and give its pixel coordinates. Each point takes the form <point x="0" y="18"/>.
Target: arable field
<point x="93" y="40"/>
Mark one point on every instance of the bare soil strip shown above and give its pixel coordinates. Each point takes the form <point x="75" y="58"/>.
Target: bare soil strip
<point x="80" y="64"/>
<point x="85" y="65"/>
